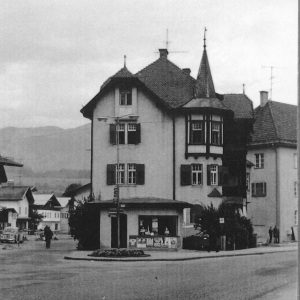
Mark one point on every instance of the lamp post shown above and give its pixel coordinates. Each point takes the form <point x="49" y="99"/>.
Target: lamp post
<point x="117" y="119"/>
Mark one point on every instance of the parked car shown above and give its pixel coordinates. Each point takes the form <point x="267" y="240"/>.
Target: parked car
<point x="11" y="235"/>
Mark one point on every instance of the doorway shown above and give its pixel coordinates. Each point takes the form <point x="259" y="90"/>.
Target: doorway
<point x="123" y="231"/>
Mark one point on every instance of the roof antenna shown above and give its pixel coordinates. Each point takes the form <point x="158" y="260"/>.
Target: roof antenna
<point x="204" y="37"/>
<point x="271" y="79"/>
<point x="167" y="39"/>
<point x="124" y="61"/>
<point x="244" y="88"/>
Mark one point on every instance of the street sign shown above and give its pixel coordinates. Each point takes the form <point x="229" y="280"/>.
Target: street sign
<point x="221" y="220"/>
<point x="114" y="210"/>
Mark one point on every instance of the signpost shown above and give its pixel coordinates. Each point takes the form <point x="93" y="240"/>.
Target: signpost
<point x="223" y="238"/>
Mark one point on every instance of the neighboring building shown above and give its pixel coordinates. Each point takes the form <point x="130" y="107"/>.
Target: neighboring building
<point x="15" y="201"/>
<point x="67" y="205"/>
<point x="274" y="184"/>
<point x="180" y="144"/>
<point x="79" y="193"/>
<point x="48" y="206"/>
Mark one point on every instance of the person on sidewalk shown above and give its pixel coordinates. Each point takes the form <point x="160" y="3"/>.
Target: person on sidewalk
<point x="48" y="236"/>
<point x="276" y="235"/>
<point x="270" y="234"/>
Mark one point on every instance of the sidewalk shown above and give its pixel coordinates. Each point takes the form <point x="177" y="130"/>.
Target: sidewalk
<point x="186" y="254"/>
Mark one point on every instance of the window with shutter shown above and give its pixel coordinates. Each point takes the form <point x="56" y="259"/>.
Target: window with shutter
<point x="185" y="174"/>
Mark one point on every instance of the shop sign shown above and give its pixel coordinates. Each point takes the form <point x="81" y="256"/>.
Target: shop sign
<point x="141" y="242"/>
<point x="132" y="242"/>
<point x="221" y="220"/>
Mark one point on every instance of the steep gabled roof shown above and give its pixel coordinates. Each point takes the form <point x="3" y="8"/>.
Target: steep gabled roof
<point x="15" y="193"/>
<point x="9" y="162"/>
<point x="63" y="201"/>
<point x="168" y="82"/>
<point x="275" y="122"/>
<point x="43" y="199"/>
<point x="240" y="104"/>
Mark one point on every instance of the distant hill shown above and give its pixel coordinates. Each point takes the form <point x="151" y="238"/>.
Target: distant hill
<point x="46" y="150"/>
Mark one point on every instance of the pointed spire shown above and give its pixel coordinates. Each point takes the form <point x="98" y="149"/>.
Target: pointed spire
<point x="204" y="87"/>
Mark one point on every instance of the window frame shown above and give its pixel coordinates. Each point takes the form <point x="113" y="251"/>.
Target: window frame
<point x="254" y="192"/>
<point x="198" y="173"/>
<point x="259" y="161"/>
<point x="131" y="174"/>
<point x="120" y="170"/>
<point x="214" y="174"/>
<point x="201" y="132"/>
<point x="219" y="142"/>
<point x="127" y="100"/>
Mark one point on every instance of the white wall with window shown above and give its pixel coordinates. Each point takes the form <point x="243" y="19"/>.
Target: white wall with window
<point x="259" y="159"/>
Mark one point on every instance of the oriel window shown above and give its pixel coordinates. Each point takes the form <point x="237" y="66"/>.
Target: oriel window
<point x="215" y="133"/>
<point x="197" y="133"/>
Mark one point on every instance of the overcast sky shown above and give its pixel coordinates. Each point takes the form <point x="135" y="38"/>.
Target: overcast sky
<point x="56" y="54"/>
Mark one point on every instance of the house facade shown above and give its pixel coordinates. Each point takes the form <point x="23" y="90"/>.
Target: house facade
<point x="165" y="142"/>
<point x="274" y="184"/>
<point x="67" y="205"/>
<point x="14" y="203"/>
<point x="48" y="206"/>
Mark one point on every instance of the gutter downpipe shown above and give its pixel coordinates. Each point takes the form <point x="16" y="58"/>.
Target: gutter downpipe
<point x="174" y="161"/>
<point x="277" y="190"/>
<point x="92" y="131"/>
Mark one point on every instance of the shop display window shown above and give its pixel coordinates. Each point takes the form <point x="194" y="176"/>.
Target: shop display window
<point x="158" y="225"/>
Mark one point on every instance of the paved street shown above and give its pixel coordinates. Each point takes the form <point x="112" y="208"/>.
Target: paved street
<point x="33" y="272"/>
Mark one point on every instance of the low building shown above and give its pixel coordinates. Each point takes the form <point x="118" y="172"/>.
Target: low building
<point x="48" y="206"/>
<point x="14" y="203"/>
<point x="67" y="204"/>
<point x="80" y="193"/>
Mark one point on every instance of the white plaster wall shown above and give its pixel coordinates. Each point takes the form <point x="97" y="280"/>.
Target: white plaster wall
<point x="155" y="150"/>
<point x="133" y="225"/>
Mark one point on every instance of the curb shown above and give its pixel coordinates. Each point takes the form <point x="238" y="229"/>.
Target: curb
<point x="174" y="259"/>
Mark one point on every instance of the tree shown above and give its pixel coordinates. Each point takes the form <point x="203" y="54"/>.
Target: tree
<point x="71" y="187"/>
<point x="237" y="229"/>
<point x="35" y="218"/>
<point x="84" y="222"/>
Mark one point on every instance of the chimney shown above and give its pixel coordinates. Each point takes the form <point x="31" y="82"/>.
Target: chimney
<point x="163" y="52"/>
<point x="263" y="98"/>
<point x="186" y="71"/>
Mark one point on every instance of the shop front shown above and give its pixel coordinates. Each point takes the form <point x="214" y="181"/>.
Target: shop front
<point x="145" y="223"/>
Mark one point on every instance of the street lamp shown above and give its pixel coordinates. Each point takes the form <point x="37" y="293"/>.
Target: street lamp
<point x="117" y="119"/>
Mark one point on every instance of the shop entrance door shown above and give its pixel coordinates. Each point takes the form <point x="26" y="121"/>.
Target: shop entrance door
<point x="123" y="232"/>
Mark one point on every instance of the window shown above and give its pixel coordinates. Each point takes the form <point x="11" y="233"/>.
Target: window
<point x="135" y="174"/>
<point x="131" y="174"/>
<point x="197" y="133"/>
<point x="295" y="161"/>
<point x="215" y="133"/>
<point x="56" y="226"/>
<point x="213" y="174"/>
<point x="295" y="189"/>
<point x="248" y="181"/>
<point x="158" y="225"/>
<point x="120" y="178"/>
<point x="125" y="97"/>
<point x="259" y="161"/>
<point x="259" y="189"/>
<point x="127" y="133"/>
<point x="196" y="174"/>
<point x="121" y="134"/>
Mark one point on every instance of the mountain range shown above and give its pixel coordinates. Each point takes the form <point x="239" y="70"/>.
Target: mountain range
<point x="47" y="150"/>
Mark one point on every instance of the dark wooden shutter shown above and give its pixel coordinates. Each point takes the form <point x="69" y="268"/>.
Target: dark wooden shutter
<point x="111" y="174"/>
<point x="252" y="189"/>
<point x="112" y="133"/>
<point x="208" y="175"/>
<point x="185" y="174"/>
<point x="138" y="133"/>
<point x="223" y="175"/>
<point x="265" y="189"/>
<point x="140" y="174"/>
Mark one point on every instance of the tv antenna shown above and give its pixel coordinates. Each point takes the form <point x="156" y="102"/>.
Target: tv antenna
<point x="167" y="42"/>
<point x="271" y="77"/>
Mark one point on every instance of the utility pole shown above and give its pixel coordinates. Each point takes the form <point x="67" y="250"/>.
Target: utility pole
<point x="118" y="181"/>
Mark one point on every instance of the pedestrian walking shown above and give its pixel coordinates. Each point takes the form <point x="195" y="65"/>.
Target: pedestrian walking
<point x="48" y="236"/>
<point x="270" y="234"/>
<point x="276" y="235"/>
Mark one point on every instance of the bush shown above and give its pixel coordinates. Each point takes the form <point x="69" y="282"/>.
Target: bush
<point x="118" y="253"/>
<point x="195" y="242"/>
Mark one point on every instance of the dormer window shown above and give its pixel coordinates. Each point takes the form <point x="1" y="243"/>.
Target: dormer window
<point x="125" y="97"/>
